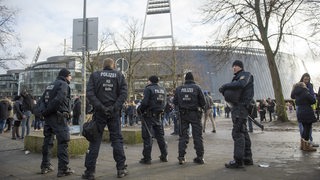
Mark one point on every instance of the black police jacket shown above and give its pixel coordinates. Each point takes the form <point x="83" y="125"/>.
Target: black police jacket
<point x="189" y="96"/>
<point x="57" y="97"/>
<point x="244" y="81"/>
<point x="107" y="88"/>
<point x="154" y="98"/>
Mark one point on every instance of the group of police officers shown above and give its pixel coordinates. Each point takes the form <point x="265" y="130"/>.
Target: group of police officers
<point x="107" y="91"/>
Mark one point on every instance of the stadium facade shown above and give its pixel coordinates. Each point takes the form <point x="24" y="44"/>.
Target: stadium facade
<point x="211" y="66"/>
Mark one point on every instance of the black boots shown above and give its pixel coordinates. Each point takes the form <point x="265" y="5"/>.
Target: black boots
<point x="122" y="173"/>
<point x="248" y="162"/>
<point x="182" y="160"/>
<point x="234" y="164"/>
<point x="46" y="170"/>
<point x="65" y="172"/>
<point x="198" y="160"/>
<point x="163" y="158"/>
<point x="88" y="175"/>
<point x="145" y="161"/>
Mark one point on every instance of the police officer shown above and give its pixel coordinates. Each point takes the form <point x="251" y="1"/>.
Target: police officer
<point x="241" y="87"/>
<point x="56" y="99"/>
<point x="190" y="101"/>
<point x="151" y="108"/>
<point x="106" y="92"/>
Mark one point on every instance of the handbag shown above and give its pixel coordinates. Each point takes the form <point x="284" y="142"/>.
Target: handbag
<point x="90" y="130"/>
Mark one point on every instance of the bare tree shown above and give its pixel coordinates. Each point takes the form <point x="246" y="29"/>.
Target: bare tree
<point x="266" y="23"/>
<point x="94" y="62"/>
<point x="131" y="39"/>
<point x="8" y="38"/>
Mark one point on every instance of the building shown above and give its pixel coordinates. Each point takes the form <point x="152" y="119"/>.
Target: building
<point x="9" y="83"/>
<point x="210" y="65"/>
<point x="37" y="76"/>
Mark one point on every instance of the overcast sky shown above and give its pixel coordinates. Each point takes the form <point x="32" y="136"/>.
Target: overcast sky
<point x="46" y="23"/>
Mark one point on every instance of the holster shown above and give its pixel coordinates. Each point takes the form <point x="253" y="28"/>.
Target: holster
<point x="147" y="114"/>
<point x="62" y="116"/>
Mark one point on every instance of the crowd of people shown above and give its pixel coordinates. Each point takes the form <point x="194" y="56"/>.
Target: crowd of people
<point x="188" y="109"/>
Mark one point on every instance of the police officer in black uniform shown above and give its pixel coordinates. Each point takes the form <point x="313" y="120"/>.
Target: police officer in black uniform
<point x="151" y="108"/>
<point x="242" y="88"/>
<point x="107" y="91"/>
<point x="190" y="100"/>
<point x="56" y="99"/>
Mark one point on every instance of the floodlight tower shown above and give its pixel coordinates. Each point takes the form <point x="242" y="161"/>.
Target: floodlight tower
<point x="156" y="8"/>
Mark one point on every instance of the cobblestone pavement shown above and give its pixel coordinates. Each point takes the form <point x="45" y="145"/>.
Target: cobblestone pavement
<point x="276" y="155"/>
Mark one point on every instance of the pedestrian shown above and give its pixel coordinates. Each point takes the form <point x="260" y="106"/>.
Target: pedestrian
<point x="166" y="115"/>
<point x="270" y="107"/>
<point x="318" y="105"/>
<point x="55" y="102"/>
<point x="262" y="110"/>
<point x="305" y="114"/>
<point x="227" y="110"/>
<point x="307" y="80"/>
<point x="151" y="108"/>
<point x="5" y="108"/>
<point x="241" y="92"/>
<point x="76" y="111"/>
<point x="27" y="106"/>
<point x="37" y="120"/>
<point x="252" y="114"/>
<point x="131" y="112"/>
<point x="191" y="102"/>
<point x="208" y="112"/>
<point x="17" y="117"/>
<point x="10" y="116"/>
<point x="107" y="91"/>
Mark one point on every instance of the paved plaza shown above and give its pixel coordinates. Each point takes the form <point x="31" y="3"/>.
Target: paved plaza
<point x="276" y="155"/>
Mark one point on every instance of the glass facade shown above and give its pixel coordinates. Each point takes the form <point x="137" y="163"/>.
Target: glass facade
<point x="36" y="78"/>
<point x="8" y="84"/>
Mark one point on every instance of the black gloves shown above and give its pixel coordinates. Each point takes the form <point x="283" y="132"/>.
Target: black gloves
<point x="108" y="111"/>
<point x="221" y="89"/>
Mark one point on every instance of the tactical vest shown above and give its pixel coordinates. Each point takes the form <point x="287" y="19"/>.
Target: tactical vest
<point x="158" y="98"/>
<point x="188" y="97"/>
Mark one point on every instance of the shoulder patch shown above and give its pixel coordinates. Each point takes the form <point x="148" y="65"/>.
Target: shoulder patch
<point x="242" y="77"/>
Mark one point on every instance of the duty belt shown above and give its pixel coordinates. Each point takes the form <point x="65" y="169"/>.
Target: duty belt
<point x="184" y="110"/>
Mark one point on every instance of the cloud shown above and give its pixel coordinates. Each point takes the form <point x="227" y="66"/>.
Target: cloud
<point x="47" y="23"/>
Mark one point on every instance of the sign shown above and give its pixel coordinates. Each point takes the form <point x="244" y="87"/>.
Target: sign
<point x="92" y="35"/>
<point x="122" y="65"/>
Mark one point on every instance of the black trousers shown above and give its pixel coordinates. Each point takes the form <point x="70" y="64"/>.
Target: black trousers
<point x="55" y="125"/>
<point x="114" y="127"/>
<point x="192" y="118"/>
<point x="240" y="135"/>
<point x="152" y="127"/>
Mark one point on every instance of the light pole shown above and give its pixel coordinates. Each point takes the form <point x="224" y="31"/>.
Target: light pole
<point x="84" y="52"/>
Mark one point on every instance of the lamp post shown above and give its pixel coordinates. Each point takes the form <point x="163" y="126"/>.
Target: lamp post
<point x="84" y="77"/>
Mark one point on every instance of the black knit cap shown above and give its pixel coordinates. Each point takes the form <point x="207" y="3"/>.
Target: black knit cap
<point x="189" y="76"/>
<point x="237" y="63"/>
<point x="153" y="79"/>
<point x="64" y="72"/>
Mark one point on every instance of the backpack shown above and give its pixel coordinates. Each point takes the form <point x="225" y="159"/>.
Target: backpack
<point x="209" y="102"/>
<point x="90" y="130"/>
